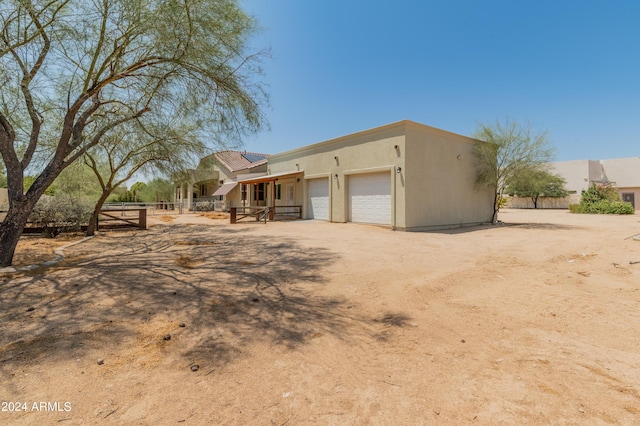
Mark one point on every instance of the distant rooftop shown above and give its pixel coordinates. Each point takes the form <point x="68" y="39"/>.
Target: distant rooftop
<point x="240" y="160"/>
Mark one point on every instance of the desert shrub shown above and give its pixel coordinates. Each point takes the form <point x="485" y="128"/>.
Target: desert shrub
<point x="502" y="202"/>
<point x="203" y="206"/>
<point x="601" y="199"/>
<point x="60" y="214"/>
<point x="609" y="207"/>
<point x="576" y="208"/>
<point x="598" y="193"/>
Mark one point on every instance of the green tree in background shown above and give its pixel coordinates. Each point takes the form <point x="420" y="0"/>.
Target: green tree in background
<point x="511" y="149"/>
<point x="536" y="183"/>
<point x="156" y="190"/>
<point x="74" y="71"/>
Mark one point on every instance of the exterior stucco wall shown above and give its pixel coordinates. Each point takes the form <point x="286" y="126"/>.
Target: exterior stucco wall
<point x="579" y="174"/>
<point x="633" y="190"/>
<point x="364" y="152"/>
<point x="433" y="188"/>
<point x="439" y="179"/>
<point x="543" y="202"/>
<point x="297" y="193"/>
<point x="623" y="172"/>
<point x="234" y="197"/>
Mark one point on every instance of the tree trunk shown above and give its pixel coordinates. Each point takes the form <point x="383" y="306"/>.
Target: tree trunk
<point x="11" y="229"/>
<point x="496" y="208"/>
<point x="91" y="228"/>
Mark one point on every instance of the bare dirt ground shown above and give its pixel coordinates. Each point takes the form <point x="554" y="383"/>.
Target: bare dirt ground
<point x="532" y="322"/>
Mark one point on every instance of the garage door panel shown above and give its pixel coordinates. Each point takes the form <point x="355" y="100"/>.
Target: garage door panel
<point x="370" y="198"/>
<point x="318" y="200"/>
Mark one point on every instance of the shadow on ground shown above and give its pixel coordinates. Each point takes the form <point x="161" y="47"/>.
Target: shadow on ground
<point x="212" y="291"/>
<point x="480" y="228"/>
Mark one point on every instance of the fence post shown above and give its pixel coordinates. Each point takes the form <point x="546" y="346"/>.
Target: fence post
<point x="232" y="215"/>
<point x="142" y="218"/>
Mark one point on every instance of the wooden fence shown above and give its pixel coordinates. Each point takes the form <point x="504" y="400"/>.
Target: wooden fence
<point x="123" y="218"/>
<point x="237" y="214"/>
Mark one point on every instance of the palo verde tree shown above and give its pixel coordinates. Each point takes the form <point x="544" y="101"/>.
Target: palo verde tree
<point x="74" y="71"/>
<point x="511" y="149"/>
<point x="134" y="147"/>
<point x="536" y="183"/>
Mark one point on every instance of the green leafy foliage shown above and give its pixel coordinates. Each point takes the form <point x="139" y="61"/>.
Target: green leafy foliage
<point x="609" y="207"/>
<point x="576" y="208"/>
<point x="78" y="181"/>
<point x="511" y="148"/>
<point x="535" y="183"/>
<point x="28" y="181"/>
<point x="60" y="214"/>
<point x="129" y="77"/>
<point x="601" y="199"/>
<point x="156" y="189"/>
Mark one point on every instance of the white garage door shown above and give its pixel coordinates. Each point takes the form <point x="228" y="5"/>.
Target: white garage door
<point x="318" y="202"/>
<point x="370" y="198"/>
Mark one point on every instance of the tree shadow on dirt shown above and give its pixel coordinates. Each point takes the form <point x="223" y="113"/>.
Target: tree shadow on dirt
<point x="212" y="293"/>
<point x="481" y="228"/>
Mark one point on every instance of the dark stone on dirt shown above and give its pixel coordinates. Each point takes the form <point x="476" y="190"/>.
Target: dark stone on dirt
<point x="167" y="337"/>
<point x="100" y="361"/>
<point x="183" y="324"/>
<point x="255" y="300"/>
<point x="195" y="367"/>
<point x="463" y="341"/>
<point x="31" y="308"/>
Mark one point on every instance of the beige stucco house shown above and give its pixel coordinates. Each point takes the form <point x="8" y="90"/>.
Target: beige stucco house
<point x="214" y="180"/>
<point x="405" y="175"/>
<point x="623" y="174"/>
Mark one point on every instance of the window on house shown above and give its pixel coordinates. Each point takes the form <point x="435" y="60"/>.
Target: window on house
<point x="278" y="191"/>
<point x="203" y="189"/>
<point x="244" y="192"/>
<point x="258" y="191"/>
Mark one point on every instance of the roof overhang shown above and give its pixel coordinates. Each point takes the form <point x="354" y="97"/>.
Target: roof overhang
<point x="225" y="188"/>
<point x="269" y="178"/>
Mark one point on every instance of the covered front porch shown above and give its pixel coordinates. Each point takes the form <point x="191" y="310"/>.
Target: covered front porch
<point x="270" y="197"/>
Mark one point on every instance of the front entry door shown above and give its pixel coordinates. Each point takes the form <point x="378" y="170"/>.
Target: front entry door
<point x="629" y="197"/>
<point x="289" y="195"/>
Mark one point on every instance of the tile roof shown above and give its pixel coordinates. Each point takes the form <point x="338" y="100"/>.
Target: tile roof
<point x="240" y="160"/>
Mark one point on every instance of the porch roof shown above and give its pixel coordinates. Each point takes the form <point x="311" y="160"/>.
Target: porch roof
<point x="225" y="188"/>
<point x="269" y="178"/>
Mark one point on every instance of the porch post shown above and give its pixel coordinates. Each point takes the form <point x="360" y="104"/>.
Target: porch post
<point x="273" y="200"/>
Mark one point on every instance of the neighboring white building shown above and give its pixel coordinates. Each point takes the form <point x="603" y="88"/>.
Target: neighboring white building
<point x="622" y="173"/>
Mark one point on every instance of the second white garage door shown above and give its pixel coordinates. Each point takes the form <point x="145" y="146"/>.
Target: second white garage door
<point x="370" y="198"/>
<point x="318" y="200"/>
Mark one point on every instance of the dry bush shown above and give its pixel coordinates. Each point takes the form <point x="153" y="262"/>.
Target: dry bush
<point x="186" y="261"/>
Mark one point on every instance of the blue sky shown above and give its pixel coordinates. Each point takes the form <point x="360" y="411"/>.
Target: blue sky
<point x="341" y="66"/>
